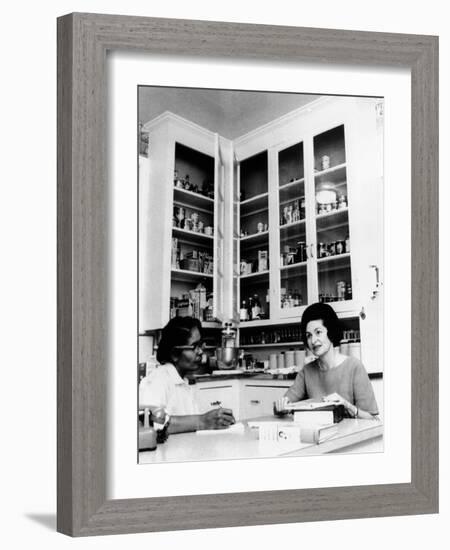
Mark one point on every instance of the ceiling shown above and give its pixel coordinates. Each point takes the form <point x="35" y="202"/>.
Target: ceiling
<point x="228" y="112"/>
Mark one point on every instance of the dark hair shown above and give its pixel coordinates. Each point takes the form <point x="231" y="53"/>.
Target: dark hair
<point x="175" y="333"/>
<point x="327" y="315"/>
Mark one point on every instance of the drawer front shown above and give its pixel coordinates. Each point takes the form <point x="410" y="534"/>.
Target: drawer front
<point x="258" y="400"/>
<point x="219" y="396"/>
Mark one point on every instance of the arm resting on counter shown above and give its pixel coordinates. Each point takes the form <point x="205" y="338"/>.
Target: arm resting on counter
<point x="215" y="419"/>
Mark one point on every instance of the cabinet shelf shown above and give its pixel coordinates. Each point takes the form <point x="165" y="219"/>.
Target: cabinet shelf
<point x="330" y="171"/>
<point x="184" y="275"/>
<point x="253" y="205"/>
<point x="193" y="200"/>
<point x="293" y="269"/>
<point x="255" y="239"/>
<point x="332" y="220"/>
<point x="291" y="191"/>
<point x="192" y="237"/>
<point x="333" y="263"/>
<point x="257" y="275"/>
<point x="292" y="231"/>
<point x="272" y="345"/>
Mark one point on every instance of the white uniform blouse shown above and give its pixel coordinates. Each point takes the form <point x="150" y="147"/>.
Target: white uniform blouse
<point x="164" y="387"/>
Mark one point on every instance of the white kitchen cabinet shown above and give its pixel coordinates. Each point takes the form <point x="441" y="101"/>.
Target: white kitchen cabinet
<point x="179" y="149"/>
<point x="247" y="398"/>
<point x="333" y="148"/>
<point x="258" y="397"/>
<point x="258" y="177"/>
<point x="214" y="394"/>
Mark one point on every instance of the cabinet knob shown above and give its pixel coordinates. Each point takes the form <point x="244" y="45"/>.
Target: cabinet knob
<point x="255" y="402"/>
<point x="216" y="403"/>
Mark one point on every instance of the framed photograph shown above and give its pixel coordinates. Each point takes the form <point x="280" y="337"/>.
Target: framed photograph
<point x="190" y="190"/>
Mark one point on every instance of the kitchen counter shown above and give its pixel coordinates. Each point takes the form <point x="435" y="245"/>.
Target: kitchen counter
<point x="257" y="375"/>
<point x="353" y="436"/>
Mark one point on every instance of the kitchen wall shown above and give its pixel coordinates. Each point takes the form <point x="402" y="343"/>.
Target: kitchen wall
<point x="230" y="113"/>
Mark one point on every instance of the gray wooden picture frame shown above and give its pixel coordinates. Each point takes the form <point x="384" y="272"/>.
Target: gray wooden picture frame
<point x="83" y="42"/>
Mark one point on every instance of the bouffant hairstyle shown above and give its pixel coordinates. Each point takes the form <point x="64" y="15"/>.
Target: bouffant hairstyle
<point x="327" y="315"/>
<point x="175" y="333"/>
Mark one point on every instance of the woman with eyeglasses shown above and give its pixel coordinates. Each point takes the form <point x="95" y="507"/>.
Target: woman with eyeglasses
<point x="179" y="354"/>
<point x="332" y="376"/>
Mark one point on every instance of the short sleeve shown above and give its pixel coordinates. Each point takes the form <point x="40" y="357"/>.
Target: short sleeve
<point x="363" y="391"/>
<point x="153" y="390"/>
<point x="297" y="391"/>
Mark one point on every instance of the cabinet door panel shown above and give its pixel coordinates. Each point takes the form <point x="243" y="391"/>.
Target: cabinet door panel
<point x="226" y="395"/>
<point x="258" y="400"/>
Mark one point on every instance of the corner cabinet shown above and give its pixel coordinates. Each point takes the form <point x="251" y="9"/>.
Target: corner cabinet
<point x="295" y="208"/>
<point x="182" y="223"/>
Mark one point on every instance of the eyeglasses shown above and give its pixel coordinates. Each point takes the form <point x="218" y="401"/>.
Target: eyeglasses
<point x="196" y="346"/>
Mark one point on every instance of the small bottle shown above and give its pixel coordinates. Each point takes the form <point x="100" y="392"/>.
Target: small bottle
<point x="243" y="313"/>
<point x="256" y="310"/>
<point x="347" y="244"/>
<point x="302" y="208"/>
<point x="187" y="183"/>
<point x="250" y="309"/>
<point x="147" y="433"/>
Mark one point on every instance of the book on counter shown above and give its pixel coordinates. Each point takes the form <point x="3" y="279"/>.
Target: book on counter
<point x="316" y="412"/>
<point x="317" y="434"/>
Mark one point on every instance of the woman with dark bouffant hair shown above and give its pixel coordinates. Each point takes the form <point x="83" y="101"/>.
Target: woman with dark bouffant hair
<point x="179" y="353"/>
<point x="332" y="376"/>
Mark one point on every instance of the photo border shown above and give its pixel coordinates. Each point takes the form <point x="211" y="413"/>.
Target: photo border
<point x="83" y="251"/>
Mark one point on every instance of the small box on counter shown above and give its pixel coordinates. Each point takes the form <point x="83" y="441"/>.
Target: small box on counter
<point x="311" y="412"/>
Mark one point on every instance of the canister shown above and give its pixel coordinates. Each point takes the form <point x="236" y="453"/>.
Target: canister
<point x="299" y="357"/>
<point x="280" y="360"/>
<point x="273" y="361"/>
<point x="289" y="358"/>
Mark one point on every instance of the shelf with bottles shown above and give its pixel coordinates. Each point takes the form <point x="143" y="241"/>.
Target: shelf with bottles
<point x="335" y="285"/>
<point x="189" y="257"/>
<point x="291" y="185"/>
<point x="193" y="220"/>
<point x="254" y="263"/>
<point x="194" y="172"/>
<point x="193" y="301"/>
<point x="281" y="335"/>
<point x="254" y="224"/>
<point x="329" y="150"/>
<point x="194" y="200"/>
<point x="254" y="303"/>
<point x="335" y="217"/>
<point x="186" y="275"/>
<point x="335" y="262"/>
<point x="271" y="345"/>
<point x="191" y="237"/>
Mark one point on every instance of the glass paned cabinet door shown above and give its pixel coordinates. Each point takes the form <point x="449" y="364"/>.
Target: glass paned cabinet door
<point x="292" y="223"/>
<point x="254" y="238"/>
<point x="332" y="222"/>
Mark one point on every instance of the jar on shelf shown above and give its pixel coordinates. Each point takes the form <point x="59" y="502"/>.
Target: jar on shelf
<point x="342" y="203"/>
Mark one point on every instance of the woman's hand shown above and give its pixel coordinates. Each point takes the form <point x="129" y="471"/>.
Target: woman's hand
<point x="336" y="399"/>
<point x="279" y="406"/>
<point x="217" y="419"/>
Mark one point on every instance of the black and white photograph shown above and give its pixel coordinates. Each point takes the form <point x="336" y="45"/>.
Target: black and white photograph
<point x="260" y="274"/>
